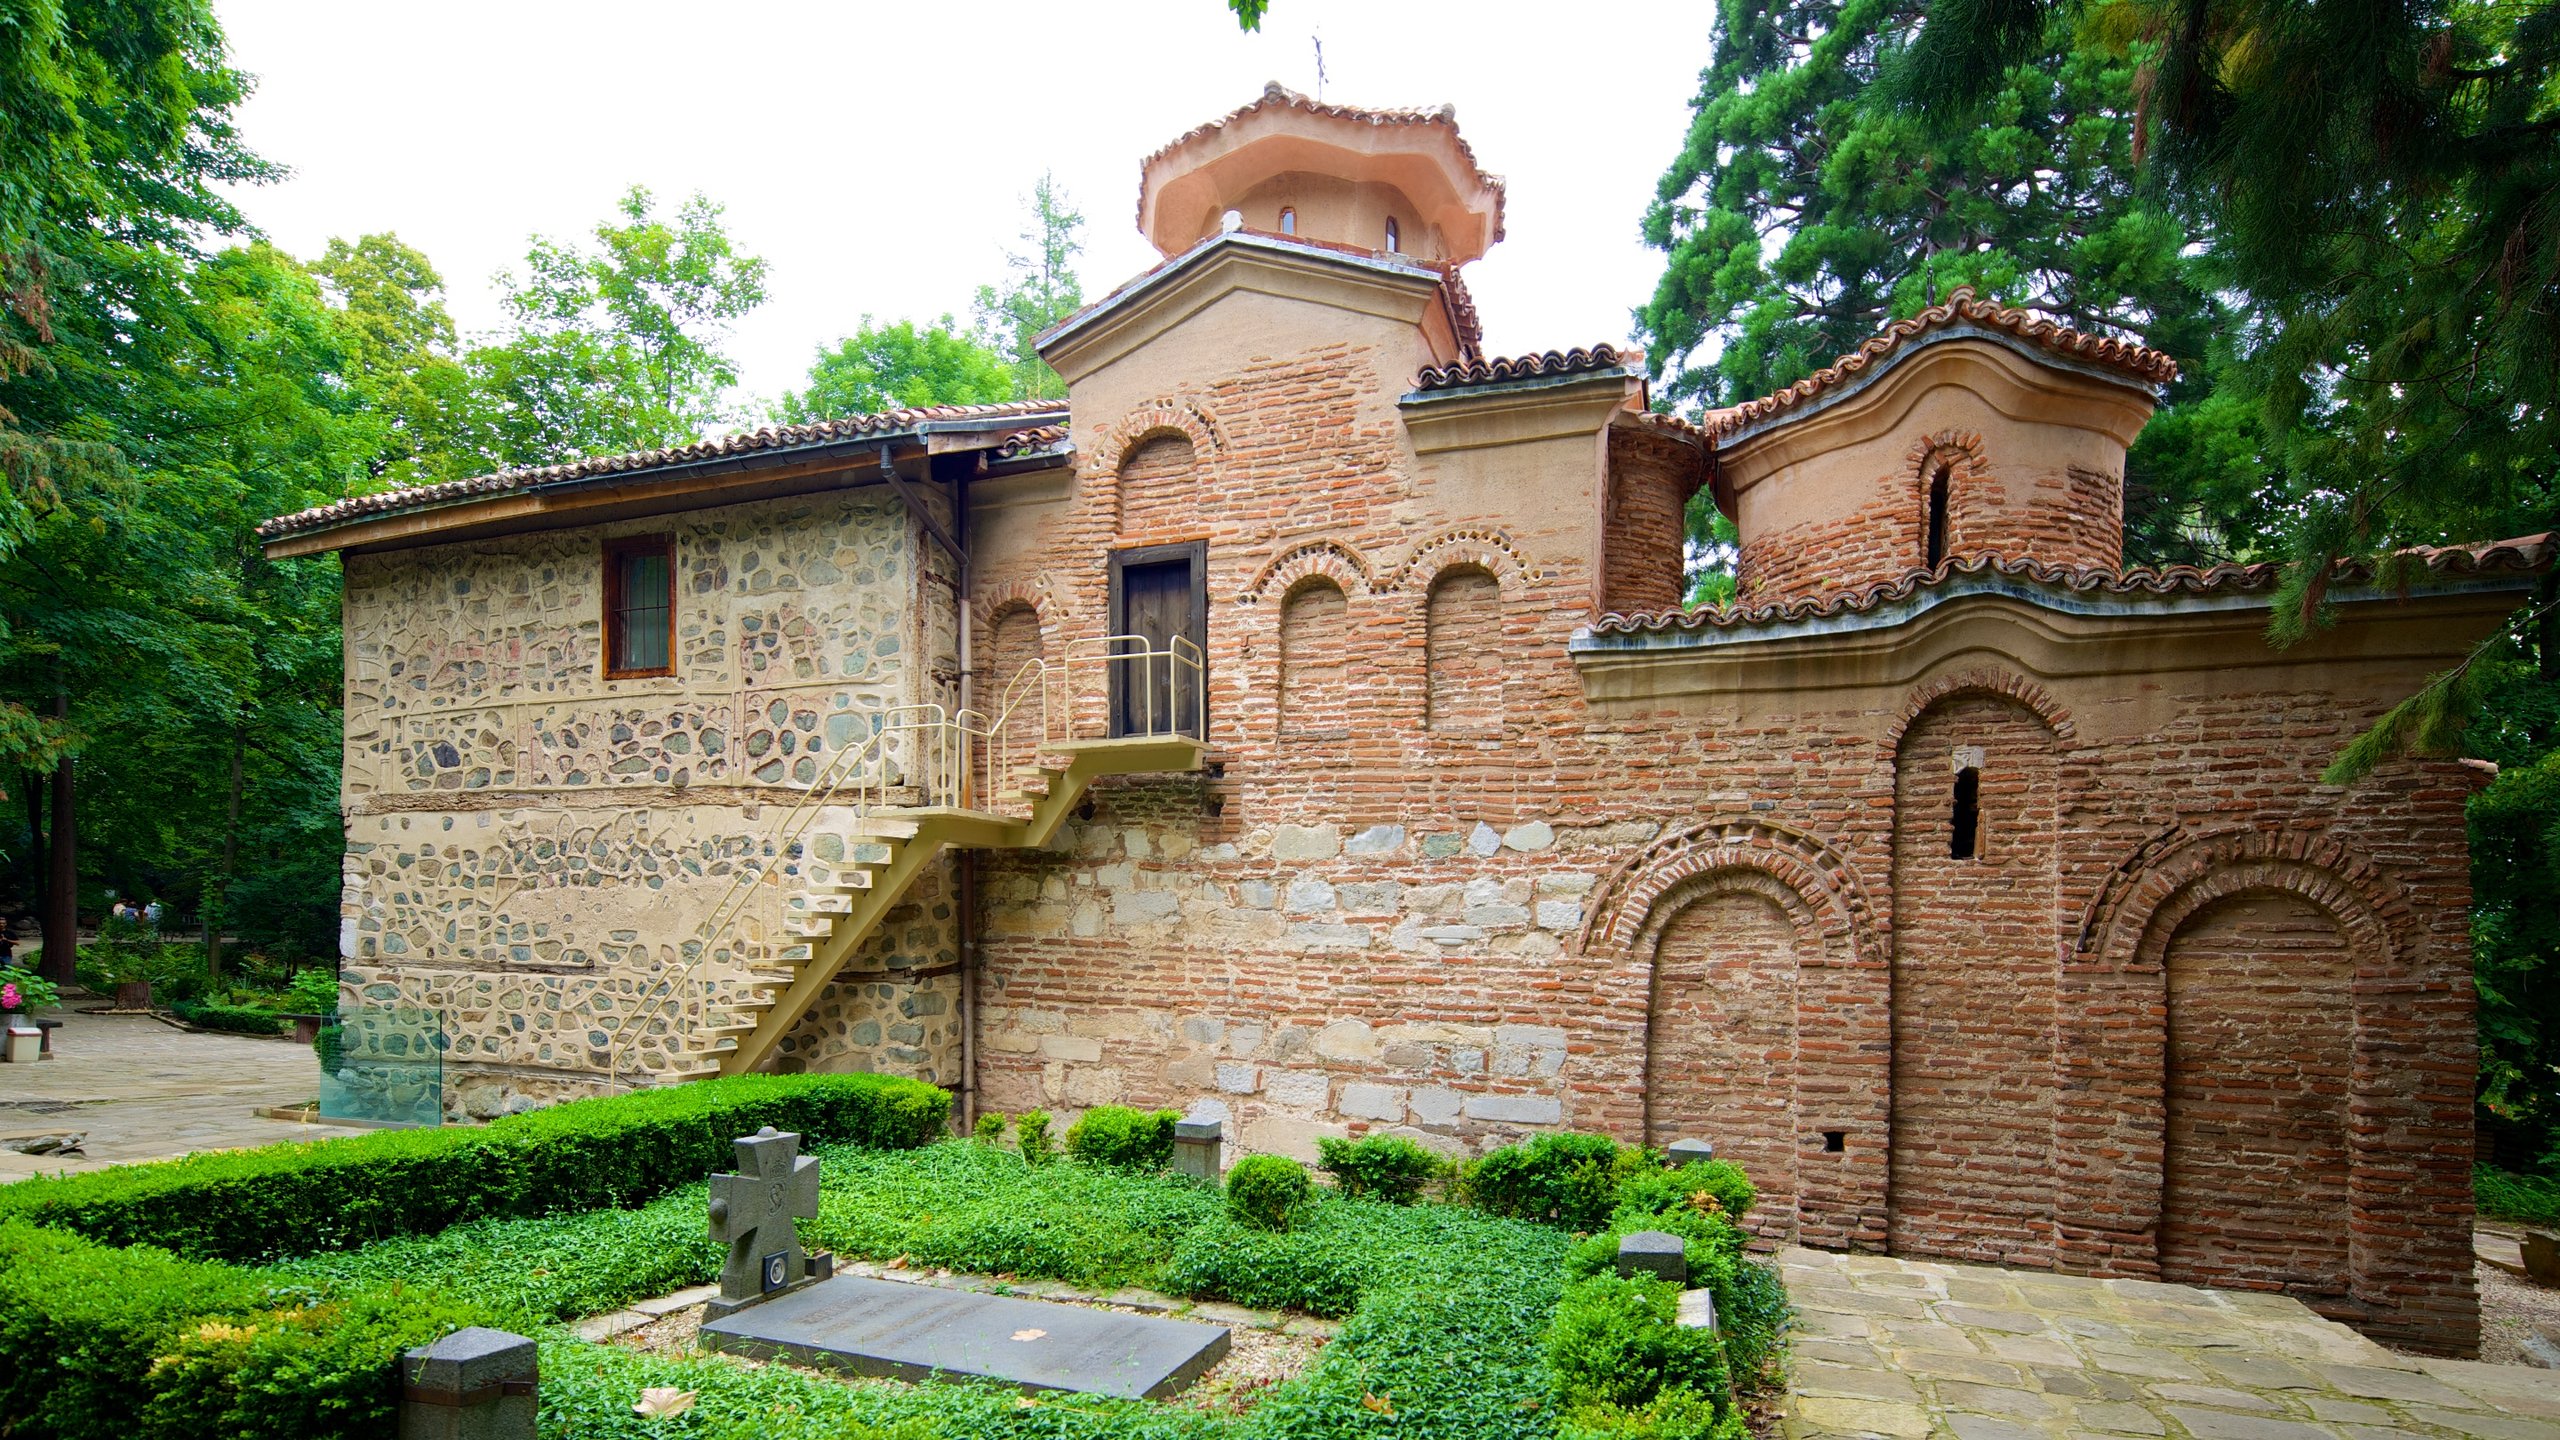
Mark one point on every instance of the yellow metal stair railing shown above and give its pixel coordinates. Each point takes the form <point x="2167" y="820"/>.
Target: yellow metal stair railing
<point x="1049" y="738"/>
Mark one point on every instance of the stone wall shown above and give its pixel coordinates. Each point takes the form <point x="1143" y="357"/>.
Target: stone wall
<point x="539" y="851"/>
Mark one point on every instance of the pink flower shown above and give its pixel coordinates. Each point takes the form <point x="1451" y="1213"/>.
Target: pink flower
<point x="8" y="997"/>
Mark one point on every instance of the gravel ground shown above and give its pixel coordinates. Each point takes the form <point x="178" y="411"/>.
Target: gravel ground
<point x="1256" y="1359"/>
<point x="2511" y="1308"/>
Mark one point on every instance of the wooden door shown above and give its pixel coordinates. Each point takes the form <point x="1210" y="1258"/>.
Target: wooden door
<point x="1158" y="593"/>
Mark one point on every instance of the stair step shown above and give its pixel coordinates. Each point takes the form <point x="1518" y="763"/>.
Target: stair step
<point x="790" y="954"/>
<point x="843" y="880"/>
<point x="881" y="827"/>
<point x="693" y="1068"/>
<point x="816" y="927"/>
<point x="825" y="902"/>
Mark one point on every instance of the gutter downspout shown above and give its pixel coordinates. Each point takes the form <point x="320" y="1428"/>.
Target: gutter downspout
<point x="966" y="880"/>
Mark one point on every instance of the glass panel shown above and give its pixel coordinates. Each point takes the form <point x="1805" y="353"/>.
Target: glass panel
<point x="642" y="628"/>
<point x="384" y="1065"/>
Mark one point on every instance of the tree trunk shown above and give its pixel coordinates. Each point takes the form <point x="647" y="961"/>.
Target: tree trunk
<point x="214" y="902"/>
<point x="38" y="867"/>
<point x="62" y="889"/>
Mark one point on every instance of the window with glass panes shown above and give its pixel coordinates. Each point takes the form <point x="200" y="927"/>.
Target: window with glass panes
<point x="639" y="606"/>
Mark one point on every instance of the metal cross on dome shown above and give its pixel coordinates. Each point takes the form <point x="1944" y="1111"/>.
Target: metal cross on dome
<point x="753" y="1213"/>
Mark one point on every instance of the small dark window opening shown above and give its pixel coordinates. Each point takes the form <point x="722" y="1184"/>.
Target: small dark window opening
<point x="1965" y="831"/>
<point x="1288" y="221"/>
<point x="1937" y="517"/>
<point x="1395" y="237"/>
<point x="1835" y="1141"/>
<point x="639" y="607"/>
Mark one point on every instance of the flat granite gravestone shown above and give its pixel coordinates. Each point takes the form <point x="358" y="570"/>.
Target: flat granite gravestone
<point x="914" y="1332"/>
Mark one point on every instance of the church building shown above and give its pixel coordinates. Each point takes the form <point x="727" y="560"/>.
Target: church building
<point x="1299" y="724"/>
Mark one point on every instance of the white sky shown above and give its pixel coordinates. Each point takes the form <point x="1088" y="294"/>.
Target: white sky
<point x="878" y="155"/>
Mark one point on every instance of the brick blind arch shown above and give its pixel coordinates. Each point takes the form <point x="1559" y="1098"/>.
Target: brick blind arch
<point x="1315" y="636"/>
<point x="1975" y="982"/>
<point x="1463" y="661"/>
<point x="1157" y="483"/>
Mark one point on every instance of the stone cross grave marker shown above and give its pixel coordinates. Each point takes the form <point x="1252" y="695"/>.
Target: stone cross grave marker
<point x="755" y="1213"/>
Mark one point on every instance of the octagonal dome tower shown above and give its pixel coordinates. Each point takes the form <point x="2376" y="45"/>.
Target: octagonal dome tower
<point x="1395" y="181"/>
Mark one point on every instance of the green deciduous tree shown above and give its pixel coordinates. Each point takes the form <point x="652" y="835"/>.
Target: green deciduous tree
<point x="403" y="360"/>
<point x="900" y="366"/>
<point x="1040" y="289"/>
<point x="618" y="347"/>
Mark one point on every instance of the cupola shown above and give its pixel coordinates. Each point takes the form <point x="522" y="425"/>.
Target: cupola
<point x="1392" y="181"/>
<point x="1968" y="434"/>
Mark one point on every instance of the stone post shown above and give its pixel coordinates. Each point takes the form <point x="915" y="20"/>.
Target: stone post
<point x="1686" y="1152"/>
<point x="475" y="1384"/>
<point x="1195" y="1149"/>
<point x="1655" y="1253"/>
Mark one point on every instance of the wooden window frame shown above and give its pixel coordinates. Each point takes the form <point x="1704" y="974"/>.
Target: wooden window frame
<point x="617" y="550"/>
<point x="1197" y="553"/>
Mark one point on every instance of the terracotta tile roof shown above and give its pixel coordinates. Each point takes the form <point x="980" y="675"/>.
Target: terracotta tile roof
<point x="1276" y="93"/>
<point x="2523" y="555"/>
<point x="1462" y="309"/>
<point x="1031" y="442"/>
<point x="2139" y="361"/>
<point x="770" y="438"/>
<point x="1525" y="367"/>
<point x="1453" y="290"/>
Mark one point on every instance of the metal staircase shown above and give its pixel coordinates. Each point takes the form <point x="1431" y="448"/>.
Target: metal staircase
<point x="856" y="841"/>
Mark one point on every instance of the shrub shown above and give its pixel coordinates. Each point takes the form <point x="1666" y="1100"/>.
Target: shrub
<point x="231" y="1019"/>
<point x="1564" y="1179"/>
<point x="1678" y="1413"/>
<point x="1658" y="1191"/>
<point x="1129" y="1139"/>
<point x="1386" y="1167"/>
<point x="313" y="991"/>
<point x="296" y="1198"/>
<point x="1616" y="1340"/>
<point x="1267" y="1191"/>
<point x="34" y="991"/>
<point x="1031" y="1133"/>
<point x="990" y="1129"/>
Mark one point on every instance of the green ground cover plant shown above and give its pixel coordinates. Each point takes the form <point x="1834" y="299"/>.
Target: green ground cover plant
<point x="294" y="1199"/>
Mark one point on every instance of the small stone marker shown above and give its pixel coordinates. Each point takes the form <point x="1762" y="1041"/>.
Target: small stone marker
<point x="1652" y="1252"/>
<point x="755" y="1213"/>
<point x="906" y="1331"/>
<point x="1697" y="1309"/>
<point x="2541" y="1254"/>
<point x="1195" y="1148"/>
<point x="474" y="1384"/>
<point x="1686" y="1152"/>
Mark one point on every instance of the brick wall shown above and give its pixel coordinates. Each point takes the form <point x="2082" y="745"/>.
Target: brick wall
<point x="1487" y="900"/>
<point x="1973" y="987"/>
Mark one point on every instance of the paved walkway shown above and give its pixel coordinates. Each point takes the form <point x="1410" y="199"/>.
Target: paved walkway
<point x="142" y="1090"/>
<point x="1912" y="1349"/>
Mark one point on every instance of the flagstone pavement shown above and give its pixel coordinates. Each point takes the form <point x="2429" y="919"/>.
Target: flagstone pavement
<point x="1913" y="1349"/>
<point x="140" y="1089"/>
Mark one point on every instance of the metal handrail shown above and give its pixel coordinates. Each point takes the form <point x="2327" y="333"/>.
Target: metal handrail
<point x="945" y="748"/>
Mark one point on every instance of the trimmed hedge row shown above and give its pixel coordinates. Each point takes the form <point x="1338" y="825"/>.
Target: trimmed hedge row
<point x="136" y="1344"/>
<point x="613" y="1151"/>
<point x="231" y="1019"/>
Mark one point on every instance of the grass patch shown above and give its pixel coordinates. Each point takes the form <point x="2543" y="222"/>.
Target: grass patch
<point x="2505" y="1195"/>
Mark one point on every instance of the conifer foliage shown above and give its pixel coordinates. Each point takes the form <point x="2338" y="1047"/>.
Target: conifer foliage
<point x="1800" y="217"/>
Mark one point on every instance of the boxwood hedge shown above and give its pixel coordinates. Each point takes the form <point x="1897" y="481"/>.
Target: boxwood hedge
<point x="612" y="1151"/>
